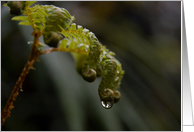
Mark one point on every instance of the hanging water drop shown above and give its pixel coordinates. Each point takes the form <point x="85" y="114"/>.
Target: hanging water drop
<point x="107" y="104"/>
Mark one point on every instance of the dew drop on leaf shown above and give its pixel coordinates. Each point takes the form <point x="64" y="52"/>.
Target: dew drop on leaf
<point x="107" y="104"/>
<point x="81" y="46"/>
<point x="86" y="48"/>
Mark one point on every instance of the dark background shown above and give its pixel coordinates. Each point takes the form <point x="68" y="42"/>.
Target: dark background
<point x="146" y="37"/>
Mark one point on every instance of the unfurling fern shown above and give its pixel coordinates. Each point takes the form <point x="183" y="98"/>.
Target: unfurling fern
<point x="60" y="34"/>
<point x="56" y="19"/>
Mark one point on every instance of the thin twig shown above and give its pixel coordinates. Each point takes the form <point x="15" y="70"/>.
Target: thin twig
<point x="29" y="65"/>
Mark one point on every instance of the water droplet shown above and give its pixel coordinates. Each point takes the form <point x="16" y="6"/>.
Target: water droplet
<point x="107" y="104"/>
<point x="85" y="31"/>
<point x="80" y="28"/>
<point x="86" y="48"/>
<point x="81" y="46"/>
<point x="91" y="35"/>
<point x="30" y="42"/>
<point x="116" y="79"/>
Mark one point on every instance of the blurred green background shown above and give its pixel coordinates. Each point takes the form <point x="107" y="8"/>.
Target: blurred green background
<point x="146" y="37"/>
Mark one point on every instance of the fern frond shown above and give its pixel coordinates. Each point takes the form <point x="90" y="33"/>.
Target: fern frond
<point x="36" y="16"/>
<point x="56" y="18"/>
<point x="55" y="24"/>
<point x="77" y="38"/>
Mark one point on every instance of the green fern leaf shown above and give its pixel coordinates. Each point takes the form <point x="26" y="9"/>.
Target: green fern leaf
<point x="25" y="23"/>
<point x="20" y="18"/>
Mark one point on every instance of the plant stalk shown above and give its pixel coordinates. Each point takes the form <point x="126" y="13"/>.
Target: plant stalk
<point x="18" y="86"/>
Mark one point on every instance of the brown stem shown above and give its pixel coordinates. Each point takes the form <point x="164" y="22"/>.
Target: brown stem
<point x="29" y="65"/>
<point x="35" y="53"/>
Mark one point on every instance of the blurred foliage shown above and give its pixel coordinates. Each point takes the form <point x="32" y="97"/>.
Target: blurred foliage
<point x="146" y="37"/>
